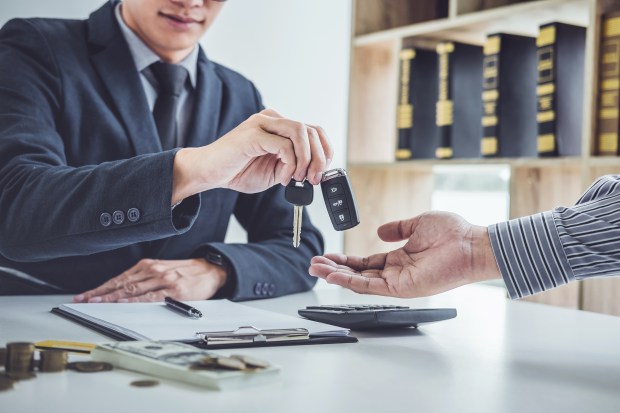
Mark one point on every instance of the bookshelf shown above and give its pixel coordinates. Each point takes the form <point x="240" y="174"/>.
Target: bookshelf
<point x="536" y="184"/>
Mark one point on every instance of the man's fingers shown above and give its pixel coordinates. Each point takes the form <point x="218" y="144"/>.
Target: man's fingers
<point x="141" y="288"/>
<point x="373" y="262"/>
<point x="297" y="133"/>
<point x="271" y="112"/>
<point x="318" y="163"/>
<point x="397" y="230"/>
<point x="150" y="297"/>
<point x="138" y="272"/>
<point x="325" y="144"/>
<point x="359" y="283"/>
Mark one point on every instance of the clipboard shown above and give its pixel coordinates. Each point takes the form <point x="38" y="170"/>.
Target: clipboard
<point x="240" y="337"/>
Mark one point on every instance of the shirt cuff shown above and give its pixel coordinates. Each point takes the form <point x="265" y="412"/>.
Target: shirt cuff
<point x="530" y="255"/>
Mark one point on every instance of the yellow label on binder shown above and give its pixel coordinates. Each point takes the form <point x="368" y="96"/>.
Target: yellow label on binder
<point x="545" y="89"/>
<point x="608" y="142"/>
<point x="446" y="47"/>
<point x="489" y="120"/>
<point x="546" y="116"/>
<point x="608" y="113"/>
<point x="491" y="46"/>
<point x="488" y="146"/>
<point x="612" y="27"/>
<point x="405" y="116"/>
<point x="407" y="54"/>
<point x="444" y="113"/>
<point x="488" y="95"/>
<point x="546" y="36"/>
<point x="402" y="154"/>
<point x="546" y="143"/>
<point x="443" y="153"/>
<point x="610" y="84"/>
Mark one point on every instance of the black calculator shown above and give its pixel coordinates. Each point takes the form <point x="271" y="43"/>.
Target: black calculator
<point x="374" y="316"/>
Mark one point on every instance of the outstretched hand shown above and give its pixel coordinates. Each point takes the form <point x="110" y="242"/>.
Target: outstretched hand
<point x="443" y="251"/>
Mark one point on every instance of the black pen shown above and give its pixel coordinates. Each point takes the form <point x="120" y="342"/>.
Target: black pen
<point x="188" y="310"/>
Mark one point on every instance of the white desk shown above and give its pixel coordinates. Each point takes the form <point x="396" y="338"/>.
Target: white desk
<point x="496" y="356"/>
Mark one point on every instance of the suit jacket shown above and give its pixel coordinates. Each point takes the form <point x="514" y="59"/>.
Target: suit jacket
<point x="85" y="187"/>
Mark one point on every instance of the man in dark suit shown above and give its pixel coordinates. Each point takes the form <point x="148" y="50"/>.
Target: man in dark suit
<point x="97" y="199"/>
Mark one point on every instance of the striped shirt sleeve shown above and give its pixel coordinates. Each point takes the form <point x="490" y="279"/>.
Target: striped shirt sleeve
<point x="549" y="249"/>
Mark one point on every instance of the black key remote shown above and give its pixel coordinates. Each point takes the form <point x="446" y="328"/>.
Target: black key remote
<point x="339" y="199"/>
<point x="374" y="316"/>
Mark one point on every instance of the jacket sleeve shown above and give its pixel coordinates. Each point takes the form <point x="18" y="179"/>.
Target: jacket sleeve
<point x="49" y="209"/>
<point x="549" y="249"/>
<point x="268" y="265"/>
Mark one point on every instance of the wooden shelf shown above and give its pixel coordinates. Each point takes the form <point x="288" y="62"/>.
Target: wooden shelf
<point x="518" y="162"/>
<point x="387" y="189"/>
<point x="521" y="18"/>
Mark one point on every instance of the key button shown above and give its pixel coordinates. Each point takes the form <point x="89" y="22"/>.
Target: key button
<point x="342" y="217"/>
<point x="334" y="190"/>
<point x="336" y="204"/>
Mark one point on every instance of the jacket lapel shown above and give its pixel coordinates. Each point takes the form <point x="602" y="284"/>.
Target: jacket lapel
<point x="205" y="120"/>
<point x="114" y="63"/>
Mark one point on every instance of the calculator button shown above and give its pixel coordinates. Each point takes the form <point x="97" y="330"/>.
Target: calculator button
<point x="334" y="190"/>
<point x="337" y="203"/>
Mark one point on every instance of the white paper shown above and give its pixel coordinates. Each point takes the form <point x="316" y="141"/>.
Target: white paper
<point x="155" y="321"/>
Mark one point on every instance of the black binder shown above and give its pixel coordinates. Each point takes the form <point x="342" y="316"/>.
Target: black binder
<point x="509" y="96"/>
<point x="418" y="135"/>
<point x="459" y="107"/>
<point x="561" y="49"/>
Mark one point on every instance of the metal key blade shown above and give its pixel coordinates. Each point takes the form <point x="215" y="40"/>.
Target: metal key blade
<point x="297" y="217"/>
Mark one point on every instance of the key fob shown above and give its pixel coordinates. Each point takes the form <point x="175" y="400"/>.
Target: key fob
<point x="339" y="199"/>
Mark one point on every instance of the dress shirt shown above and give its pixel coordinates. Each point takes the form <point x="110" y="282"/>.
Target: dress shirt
<point x="143" y="57"/>
<point x="545" y="250"/>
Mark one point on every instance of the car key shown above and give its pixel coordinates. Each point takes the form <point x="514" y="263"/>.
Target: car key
<point x="300" y="194"/>
<point x="339" y="199"/>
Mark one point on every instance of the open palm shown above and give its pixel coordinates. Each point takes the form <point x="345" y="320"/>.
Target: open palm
<point x="440" y="254"/>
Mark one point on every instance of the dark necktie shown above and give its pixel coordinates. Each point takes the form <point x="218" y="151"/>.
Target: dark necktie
<point x="171" y="79"/>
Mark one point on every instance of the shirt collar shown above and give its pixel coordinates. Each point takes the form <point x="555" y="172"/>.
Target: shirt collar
<point x="143" y="56"/>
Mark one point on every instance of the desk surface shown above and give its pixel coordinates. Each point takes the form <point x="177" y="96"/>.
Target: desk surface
<point x="496" y="356"/>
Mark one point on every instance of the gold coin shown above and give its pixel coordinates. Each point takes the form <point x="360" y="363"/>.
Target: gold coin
<point x="251" y="362"/>
<point x="52" y="360"/>
<point x="144" y="383"/>
<point x="230" y="363"/>
<point x="19" y="357"/>
<point x="20" y="347"/>
<point x="89" y="366"/>
<point x="20" y="375"/>
<point x="5" y="383"/>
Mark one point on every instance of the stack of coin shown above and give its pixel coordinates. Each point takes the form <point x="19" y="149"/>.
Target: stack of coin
<point x="52" y="360"/>
<point x="236" y="362"/>
<point x="19" y="361"/>
<point x="89" y="366"/>
<point x="251" y="362"/>
<point x="2" y="356"/>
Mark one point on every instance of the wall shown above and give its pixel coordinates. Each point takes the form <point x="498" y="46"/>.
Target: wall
<point x="296" y="52"/>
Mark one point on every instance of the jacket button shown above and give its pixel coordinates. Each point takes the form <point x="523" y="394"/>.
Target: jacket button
<point x="272" y="289"/>
<point x="118" y="217"/>
<point x="133" y="214"/>
<point x="258" y="288"/>
<point x="105" y="219"/>
<point x="265" y="288"/>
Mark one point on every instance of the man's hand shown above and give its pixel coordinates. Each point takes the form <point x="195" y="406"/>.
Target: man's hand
<point x="153" y="280"/>
<point x="264" y="150"/>
<point x="443" y="251"/>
